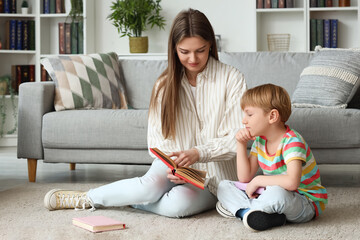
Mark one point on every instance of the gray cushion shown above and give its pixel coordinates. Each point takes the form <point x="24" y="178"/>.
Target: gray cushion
<point x="331" y="79"/>
<point x="95" y="129"/>
<point x="140" y="76"/>
<point x="327" y="127"/>
<point x="282" y="69"/>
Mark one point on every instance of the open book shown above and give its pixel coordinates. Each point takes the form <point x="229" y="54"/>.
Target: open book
<point x="190" y="175"/>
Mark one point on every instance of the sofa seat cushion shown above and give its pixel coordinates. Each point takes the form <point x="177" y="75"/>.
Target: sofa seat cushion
<point x="95" y="129"/>
<point x="326" y="127"/>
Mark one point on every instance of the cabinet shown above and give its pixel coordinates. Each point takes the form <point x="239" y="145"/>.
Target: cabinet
<point x="296" y="22"/>
<point x="46" y="36"/>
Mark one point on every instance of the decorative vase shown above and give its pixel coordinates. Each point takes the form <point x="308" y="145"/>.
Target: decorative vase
<point x="3" y="88"/>
<point x="139" y="44"/>
<point x="24" y="10"/>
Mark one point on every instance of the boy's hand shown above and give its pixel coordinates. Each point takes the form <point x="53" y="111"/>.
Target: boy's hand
<point x="243" y="136"/>
<point x="250" y="190"/>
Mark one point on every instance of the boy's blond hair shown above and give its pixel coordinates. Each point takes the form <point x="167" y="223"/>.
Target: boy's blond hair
<point x="268" y="97"/>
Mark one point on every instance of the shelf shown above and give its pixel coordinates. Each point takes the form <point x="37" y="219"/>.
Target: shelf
<point x="330" y="9"/>
<point x="278" y="10"/>
<point x="54" y="15"/>
<point x="17" y="15"/>
<point x="17" y="51"/>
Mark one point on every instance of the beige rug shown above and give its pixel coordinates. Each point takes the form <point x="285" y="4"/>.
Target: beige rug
<point x="22" y="216"/>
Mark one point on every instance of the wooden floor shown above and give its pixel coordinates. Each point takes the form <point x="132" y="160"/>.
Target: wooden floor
<point x="13" y="172"/>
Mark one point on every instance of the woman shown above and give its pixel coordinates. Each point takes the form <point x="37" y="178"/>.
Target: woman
<point x="194" y="115"/>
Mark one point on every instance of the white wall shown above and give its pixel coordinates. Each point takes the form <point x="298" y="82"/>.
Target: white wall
<point x="232" y="19"/>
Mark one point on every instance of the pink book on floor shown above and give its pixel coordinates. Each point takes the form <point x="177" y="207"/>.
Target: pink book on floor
<point x="242" y="186"/>
<point x="98" y="223"/>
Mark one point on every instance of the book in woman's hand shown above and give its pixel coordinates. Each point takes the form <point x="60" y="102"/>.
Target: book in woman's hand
<point x="190" y="175"/>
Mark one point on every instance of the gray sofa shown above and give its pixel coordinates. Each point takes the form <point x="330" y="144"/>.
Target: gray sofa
<point x="119" y="136"/>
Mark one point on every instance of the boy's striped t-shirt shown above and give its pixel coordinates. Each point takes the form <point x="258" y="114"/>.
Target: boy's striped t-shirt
<point x="293" y="147"/>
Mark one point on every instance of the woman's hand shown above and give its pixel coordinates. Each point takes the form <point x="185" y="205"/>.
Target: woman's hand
<point x="186" y="158"/>
<point x="174" y="178"/>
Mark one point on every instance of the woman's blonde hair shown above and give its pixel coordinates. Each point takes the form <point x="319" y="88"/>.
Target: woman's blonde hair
<point x="189" y="23"/>
<point x="268" y="97"/>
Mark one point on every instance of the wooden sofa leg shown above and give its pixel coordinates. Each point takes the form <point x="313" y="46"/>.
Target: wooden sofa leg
<point x="72" y="166"/>
<point x="32" y="164"/>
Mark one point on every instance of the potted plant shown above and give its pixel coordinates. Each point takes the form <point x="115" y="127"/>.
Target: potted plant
<point x="132" y="17"/>
<point x="6" y="88"/>
<point x="24" y="7"/>
<point x="76" y="12"/>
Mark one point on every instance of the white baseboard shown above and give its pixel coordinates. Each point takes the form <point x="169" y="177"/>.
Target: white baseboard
<point x="8" y="140"/>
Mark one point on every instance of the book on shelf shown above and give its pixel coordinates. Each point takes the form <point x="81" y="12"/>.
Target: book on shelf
<point x="1" y="6"/>
<point x="67" y="38"/>
<point x="321" y="3"/>
<point x="25" y="39"/>
<point x="59" y="6"/>
<point x="21" y="74"/>
<point x="313" y="3"/>
<point x="81" y="37"/>
<point x="320" y="32"/>
<point x="344" y="3"/>
<point x="282" y="4"/>
<point x="7" y="6"/>
<point x="12" y="34"/>
<point x="98" y="223"/>
<point x="327" y="37"/>
<point x="290" y="3"/>
<point x="267" y="3"/>
<point x="329" y="3"/>
<point x="334" y="32"/>
<point x="52" y="6"/>
<point x="190" y="175"/>
<point x="274" y="3"/>
<point x="313" y="35"/>
<point x="19" y="35"/>
<point x="46" y="6"/>
<point x="74" y="37"/>
<point x="260" y="4"/>
<point x="242" y="186"/>
<point x="12" y="6"/>
<point x="44" y="75"/>
<point x="31" y="34"/>
<point x="61" y="38"/>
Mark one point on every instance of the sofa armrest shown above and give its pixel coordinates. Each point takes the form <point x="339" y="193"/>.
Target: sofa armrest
<point x="35" y="99"/>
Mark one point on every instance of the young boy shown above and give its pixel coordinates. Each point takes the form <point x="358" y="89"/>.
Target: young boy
<point x="291" y="179"/>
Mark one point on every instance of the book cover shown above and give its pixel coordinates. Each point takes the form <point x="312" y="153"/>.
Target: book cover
<point x="74" y="37"/>
<point x="320" y="32"/>
<point x="2" y="6"/>
<point x="290" y="4"/>
<point x="344" y="3"/>
<point x="313" y="3"/>
<point x="242" y="186"/>
<point x="190" y="175"/>
<point x="46" y="6"/>
<point x="25" y="76"/>
<point x="19" y="35"/>
<point x="282" y="4"/>
<point x="25" y="30"/>
<point x="31" y="73"/>
<point x="313" y="34"/>
<point x="274" y="3"/>
<point x="327" y="36"/>
<point x="7" y="6"/>
<point x="52" y="6"/>
<point x="267" y="3"/>
<point x="61" y="38"/>
<point x="81" y="37"/>
<point x="260" y="4"/>
<point x="31" y="34"/>
<point x="12" y="34"/>
<point x="329" y="3"/>
<point x="67" y="38"/>
<point x="98" y="223"/>
<point x="321" y="3"/>
<point x="334" y="32"/>
<point x="7" y="34"/>
<point x="59" y="6"/>
<point x="12" y="6"/>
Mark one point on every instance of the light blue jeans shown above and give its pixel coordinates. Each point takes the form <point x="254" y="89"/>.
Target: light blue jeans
<point x="275" y="199"/>
<point x="153" y="192"/>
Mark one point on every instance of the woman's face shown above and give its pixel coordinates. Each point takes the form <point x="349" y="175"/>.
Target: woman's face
<point x="193" y="54"/>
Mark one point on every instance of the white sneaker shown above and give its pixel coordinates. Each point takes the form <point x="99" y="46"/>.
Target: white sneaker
<point x="223" y="211"/>
<point x="64" y="199"/>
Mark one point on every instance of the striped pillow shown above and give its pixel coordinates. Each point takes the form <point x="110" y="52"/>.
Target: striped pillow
<point x="330" y="81"/>
<point x="86" y="81"/>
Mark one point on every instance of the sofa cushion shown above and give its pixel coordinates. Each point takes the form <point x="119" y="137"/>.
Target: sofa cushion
<point x="331" y="79"/>
<point x="86" y="81"/>
<point x="140" y="76"/>
<point x="327" y="127"/>
<point x="278" y="68"/>
<point x="95" y="129"/>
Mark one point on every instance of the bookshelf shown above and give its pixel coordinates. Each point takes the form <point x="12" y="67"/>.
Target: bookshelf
<point x="296" y="21"/>
<point x="46" y="38"/>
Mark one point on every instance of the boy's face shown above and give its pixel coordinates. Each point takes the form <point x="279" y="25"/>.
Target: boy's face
<point x="256" y="120"/>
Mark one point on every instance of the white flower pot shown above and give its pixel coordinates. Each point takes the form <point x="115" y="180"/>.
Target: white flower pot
<point x="24" y="10"/>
